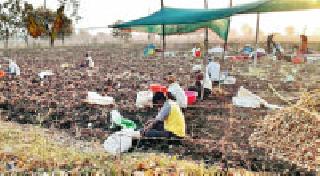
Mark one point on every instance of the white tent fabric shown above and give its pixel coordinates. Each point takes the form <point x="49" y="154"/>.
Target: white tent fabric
<point x="95" y="98"/>
<point x="42" y="74"/>
<point x="247" y="99"/>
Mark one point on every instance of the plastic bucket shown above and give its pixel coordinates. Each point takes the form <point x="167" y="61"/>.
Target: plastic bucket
<point x="2" y="74"/>
<point x="192" y="97"/>
<point x="164" y="89"/>
<point x="198" y="53"/>
<point x="297" y="60"/>
<point x="155" y="87"/>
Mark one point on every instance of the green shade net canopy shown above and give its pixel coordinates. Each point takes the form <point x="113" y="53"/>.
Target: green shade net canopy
<point x="285" y="6"/>
<point x="179" y="21"/>
<point x="174" y="16"/>
<point x="218" y="26"/>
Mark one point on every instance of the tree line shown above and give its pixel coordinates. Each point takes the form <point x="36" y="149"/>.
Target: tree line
<point x="22" y="19"/>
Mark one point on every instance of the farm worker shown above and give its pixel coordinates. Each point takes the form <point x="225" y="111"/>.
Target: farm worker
<point x="198" y="84"/>
<point x="213" y="71"/>
<point x="270" y="43"/>
<point x="177" y="91"/>
<point x="14" y="69"/>
<point x="89" y="61"/>
<point x="194" y="51"/>
<point x="169" y="122"/>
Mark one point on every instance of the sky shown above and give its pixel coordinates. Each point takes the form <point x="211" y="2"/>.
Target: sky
<point x="101" y="13"/>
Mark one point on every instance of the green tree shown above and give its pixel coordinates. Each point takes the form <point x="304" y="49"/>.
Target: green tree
<point x="11" y="19"/>
<point x="16" y="17"/>
<point x="48" y="24"/>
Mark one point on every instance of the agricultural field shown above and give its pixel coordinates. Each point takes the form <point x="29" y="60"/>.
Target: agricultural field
<point x="45" y="127"/>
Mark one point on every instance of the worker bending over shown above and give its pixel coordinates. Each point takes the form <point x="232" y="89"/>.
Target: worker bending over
<point x="169" y="122"/>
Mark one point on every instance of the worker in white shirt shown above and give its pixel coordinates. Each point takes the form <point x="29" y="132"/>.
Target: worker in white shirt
<point x="213" y="71"/>
<point x="194" y="51"/>
<point x="89" y="61"/>
<point x="13" y="69"/>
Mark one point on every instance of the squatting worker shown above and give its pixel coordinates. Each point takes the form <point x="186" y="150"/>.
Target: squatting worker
<point x="169" y="122"/>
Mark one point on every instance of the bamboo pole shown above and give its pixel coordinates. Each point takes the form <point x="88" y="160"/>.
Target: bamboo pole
<point x="163" y="37"/>
<point x="205" y="53"/>
<point x="149" y="34"/>
<point x="6" y="43"/>
<point x="225" y="46"/>
<point x="257" y="40"/>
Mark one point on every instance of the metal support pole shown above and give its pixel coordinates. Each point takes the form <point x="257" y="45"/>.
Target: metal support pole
<point x="257" y="40"/>
<point x="205" y="53"/>
<point x="163" y="39"/>
<point x="6" y="43"/>
<point x="149" y="34"/>
<point x="225" y="46"/>
<point x="44" y="4"/>
<point x="206" y="36"/>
